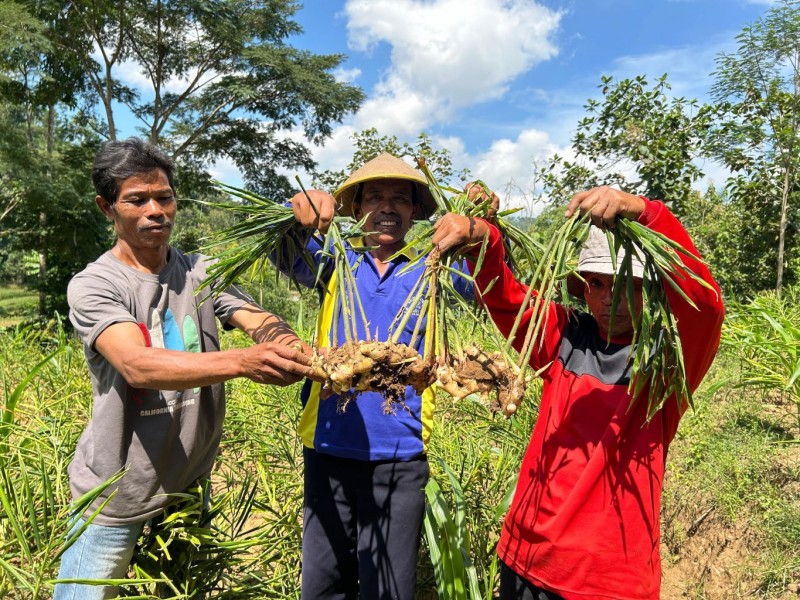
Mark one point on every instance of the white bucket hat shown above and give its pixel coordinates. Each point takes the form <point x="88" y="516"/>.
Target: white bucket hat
<point x="595" y="257"/>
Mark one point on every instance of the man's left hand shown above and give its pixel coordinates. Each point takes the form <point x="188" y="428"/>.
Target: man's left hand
<point x="454" y="230"/>
<point x="605" y="204"/>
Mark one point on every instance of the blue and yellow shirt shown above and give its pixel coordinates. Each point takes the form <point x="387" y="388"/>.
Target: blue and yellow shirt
<point x="363" y="431"/>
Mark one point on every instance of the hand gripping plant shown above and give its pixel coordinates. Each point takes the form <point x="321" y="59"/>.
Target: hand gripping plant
<point x="462" y="368"/>
<point x="357" y="363"/>
<point x="360" y="363"/>
<point x="657" y="358"/>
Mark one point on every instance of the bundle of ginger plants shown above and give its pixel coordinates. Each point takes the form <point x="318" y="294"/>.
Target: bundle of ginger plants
<point x="462" y="368"/>
<point x="360" y="363"/>
<point x="658" y="370"/>
<point x="348" y="366"/>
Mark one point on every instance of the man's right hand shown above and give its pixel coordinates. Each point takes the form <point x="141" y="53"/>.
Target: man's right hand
<point x="305" y="214"/>
<point x="479" y="193"/>
<point x="275" y="364"/>
<point x="605" y="204"/>
<point x="457" y="230"/>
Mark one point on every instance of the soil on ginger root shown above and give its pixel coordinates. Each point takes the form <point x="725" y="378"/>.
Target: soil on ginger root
<point x="388" y="368"/>
<point x="383" y="367"/>
<point x="487" y="374"/>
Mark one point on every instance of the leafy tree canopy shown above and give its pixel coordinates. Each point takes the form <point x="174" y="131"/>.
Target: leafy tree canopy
<point x="637" y="138"/>
<point x="370" y="143"/>
<point x="758" y="134"/>
<point x="218" y="81"/>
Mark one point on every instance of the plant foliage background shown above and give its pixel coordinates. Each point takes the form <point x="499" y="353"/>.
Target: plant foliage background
<point x="731" y="510"/>
<point x="731" y="483"/>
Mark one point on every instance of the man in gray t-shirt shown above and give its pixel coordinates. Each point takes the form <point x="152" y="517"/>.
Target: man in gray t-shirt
<point x="157" y="371"/>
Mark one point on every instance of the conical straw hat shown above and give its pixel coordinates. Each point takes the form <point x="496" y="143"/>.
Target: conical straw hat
<point x="384" y="166"/>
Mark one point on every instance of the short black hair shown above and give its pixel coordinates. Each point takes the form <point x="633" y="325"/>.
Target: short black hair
<point x="120" y="160"/>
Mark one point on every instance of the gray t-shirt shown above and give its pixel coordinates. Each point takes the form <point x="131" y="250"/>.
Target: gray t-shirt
<point x="165" y="439"/>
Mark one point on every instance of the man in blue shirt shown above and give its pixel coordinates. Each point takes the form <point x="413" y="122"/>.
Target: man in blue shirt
<point x="365" y="470"/>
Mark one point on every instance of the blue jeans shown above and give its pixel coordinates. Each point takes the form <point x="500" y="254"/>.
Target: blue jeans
<point x="100" y="552"/>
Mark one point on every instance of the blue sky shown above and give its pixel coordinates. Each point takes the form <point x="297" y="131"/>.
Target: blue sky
<point x="502" y="83"/>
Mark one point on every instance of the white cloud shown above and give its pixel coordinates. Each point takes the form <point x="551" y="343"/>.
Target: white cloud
<point x="337" y="151"/>
<point x="509" y="166"/>
<point x="347" y="75"/>
<point x="507" y="159"/>
<point x="334" y="155"/>
<point x="446" y="54"/>
<point x="131" y="75"/>
<point x="226" y="171"/>
<point x="398" y="113"/>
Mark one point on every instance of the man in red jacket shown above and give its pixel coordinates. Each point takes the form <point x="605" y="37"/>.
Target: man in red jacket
<point x="584" y="522"/>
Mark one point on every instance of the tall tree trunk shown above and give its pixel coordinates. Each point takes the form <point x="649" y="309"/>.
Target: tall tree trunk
<point x="782" y="229"/>
<point x="51" y="131"/>
<point x="42" y="270"/>
<point x="107" y="100"/>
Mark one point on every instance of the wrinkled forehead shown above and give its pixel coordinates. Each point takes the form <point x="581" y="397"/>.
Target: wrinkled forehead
<point x="146" y="181"/>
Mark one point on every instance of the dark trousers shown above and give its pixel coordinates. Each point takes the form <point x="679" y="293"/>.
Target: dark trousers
<point x="362" y="523"/>
<point x="515" y="587"/>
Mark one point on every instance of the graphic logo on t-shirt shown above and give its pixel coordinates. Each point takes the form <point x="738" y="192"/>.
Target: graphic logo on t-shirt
<point x="165" y="333"/>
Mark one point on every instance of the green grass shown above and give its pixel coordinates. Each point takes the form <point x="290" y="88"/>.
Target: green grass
<point x="736" y="455"/>
<point x="732" y="475"/>
<point x="16" y="305"/>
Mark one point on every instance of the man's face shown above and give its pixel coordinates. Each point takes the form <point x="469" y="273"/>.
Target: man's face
<point x="144" y="212"/>
<point x="391" y="209"/>
<point x="597" y="292"/>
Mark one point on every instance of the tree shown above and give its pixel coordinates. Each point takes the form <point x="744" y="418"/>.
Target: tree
<point x="45" y="160"/>
<point x="639" y="139"/>
<point x="370" y="143"/>
<point x="716" y="224"/>
<point x="221" y="81"/>
<point x="759" y="88"/>
<point x="54" y="214"/>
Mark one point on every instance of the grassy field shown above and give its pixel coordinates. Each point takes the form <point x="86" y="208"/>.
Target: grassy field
<point x="16" y="305"/>
<point x="731" y="511"/>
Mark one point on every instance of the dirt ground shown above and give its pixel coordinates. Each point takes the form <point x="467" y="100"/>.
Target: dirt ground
<point x="712" y="563"/>
<point x="706" y="557"/>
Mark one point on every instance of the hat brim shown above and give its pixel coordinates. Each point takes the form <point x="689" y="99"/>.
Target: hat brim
<point x="384" y="166"/>
<point x="595" y="257"/>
